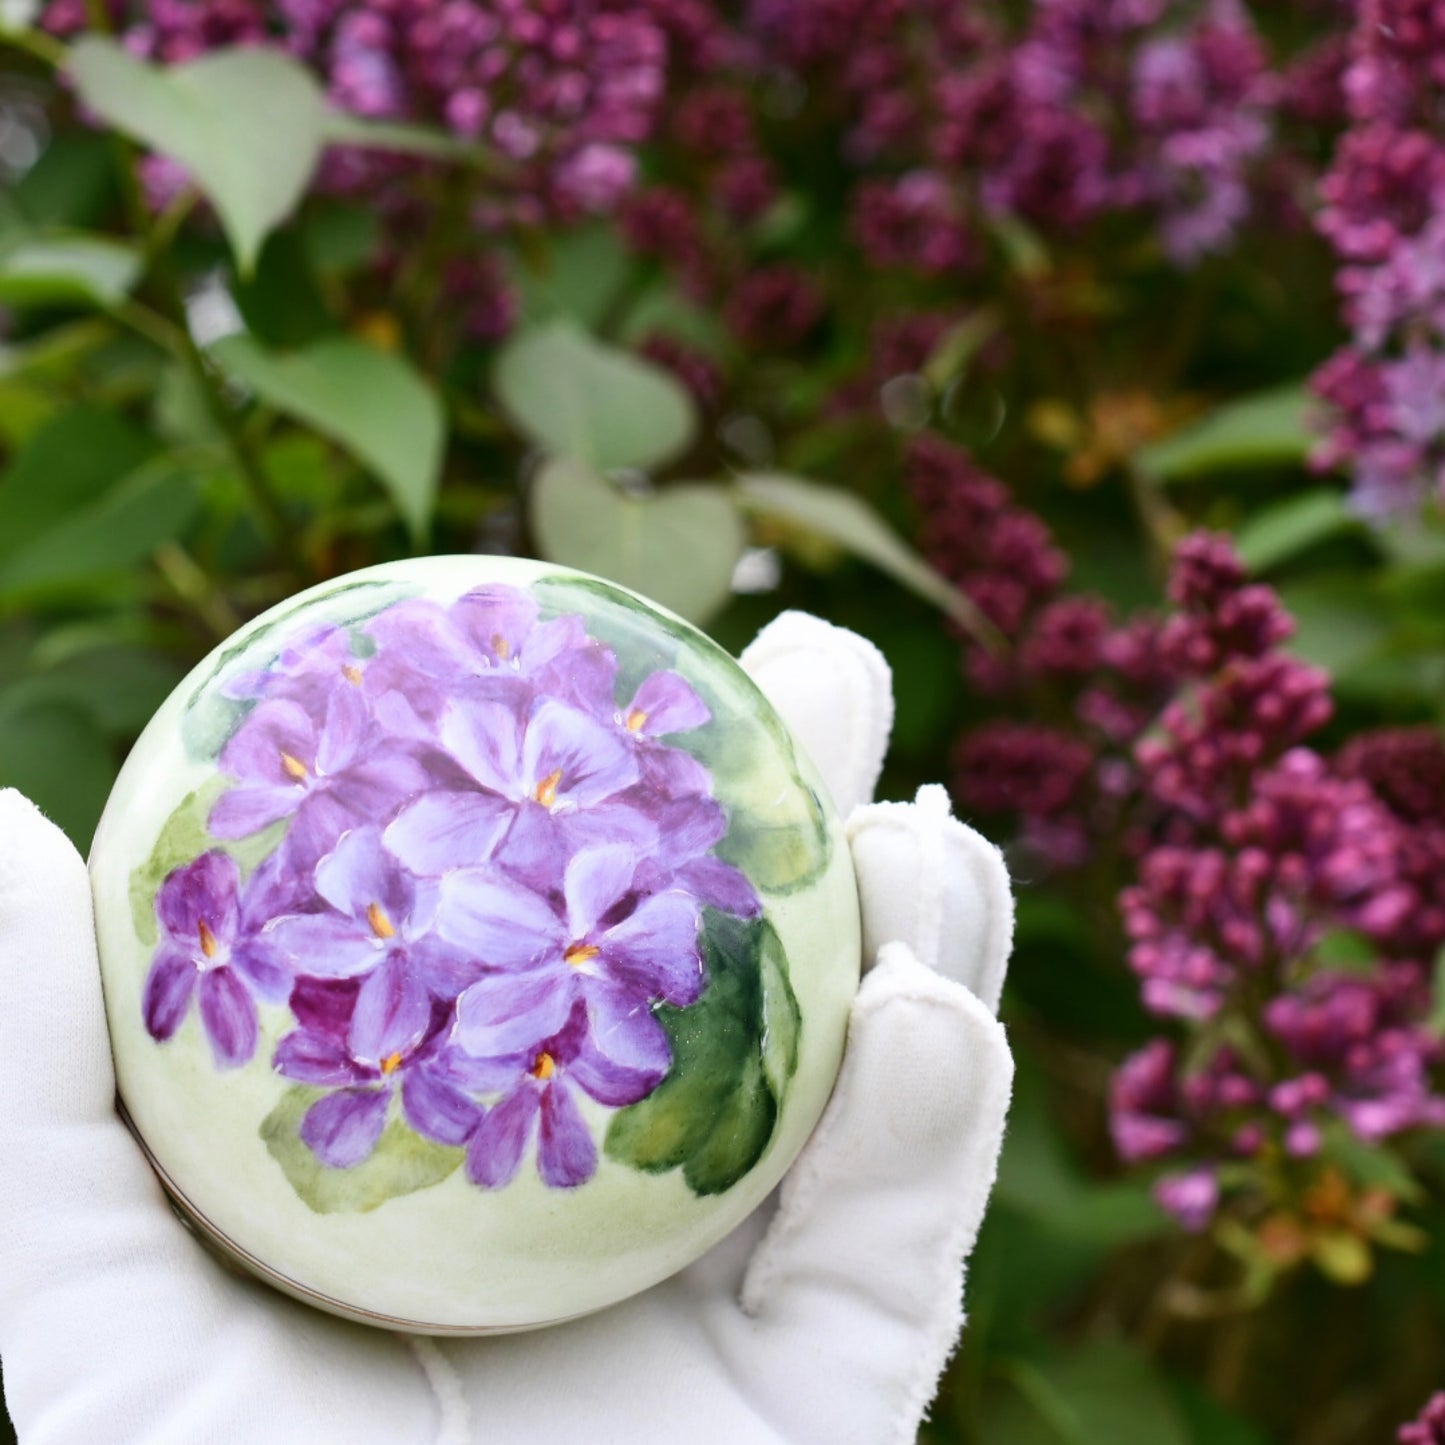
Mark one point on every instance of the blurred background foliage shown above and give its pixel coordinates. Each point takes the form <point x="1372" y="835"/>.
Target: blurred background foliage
<point x="949" y="323"/>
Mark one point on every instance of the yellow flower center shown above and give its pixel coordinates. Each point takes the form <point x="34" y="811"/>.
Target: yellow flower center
<point x="380" y="923"/>
<point x="294" y="767"/>
<point x="352" y="673"/>
<point x="544" y="1066"/>
<point x="546" y="793"/>
<point x="501" y="646"/>
<point x="208" y="939"/>
<point x="391" y="1063"/>
<point x="579" y="953"/>
<point x="635" y="720"/>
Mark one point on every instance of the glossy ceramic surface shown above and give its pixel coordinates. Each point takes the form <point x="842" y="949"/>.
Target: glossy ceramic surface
<point x="477" y="946"/>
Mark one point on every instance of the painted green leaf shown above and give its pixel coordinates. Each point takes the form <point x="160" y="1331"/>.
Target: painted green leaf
<point x="376" y="405"/>
<point x="183" y="838"/>
<point x="43" y="270"/>
<point x="679" y="546"/>
<point x="576" y="398"/>
<point x="714" y="1113"/>
<point x="246" y="124"/>
<point x="777" y="831"/>
<point x="402" y="1162"/>
<point x="848" y="521"/>
<point x="1267" y="430"/>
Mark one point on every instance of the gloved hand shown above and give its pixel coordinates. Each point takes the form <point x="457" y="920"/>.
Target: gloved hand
<point x="827" y="1316"/>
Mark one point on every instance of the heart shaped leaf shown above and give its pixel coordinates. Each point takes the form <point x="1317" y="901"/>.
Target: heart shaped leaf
<point x="374" y="404"/>
<point x="679" y="547"/>
<point x="579" y="399"/>
<point x="246" y="124"/>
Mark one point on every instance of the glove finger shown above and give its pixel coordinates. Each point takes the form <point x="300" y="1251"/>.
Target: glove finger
<point x="835" y="692"/>
<point x="880" y="1212"/>
<point x="927" y="880"/>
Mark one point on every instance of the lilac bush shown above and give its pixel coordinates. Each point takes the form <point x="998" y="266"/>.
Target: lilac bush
<point x="493" y="871"/>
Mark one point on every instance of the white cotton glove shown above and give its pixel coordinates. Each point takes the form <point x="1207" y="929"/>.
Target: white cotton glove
<point x="825" y="1318"/>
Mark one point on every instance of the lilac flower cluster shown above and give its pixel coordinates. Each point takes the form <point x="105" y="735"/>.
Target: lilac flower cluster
<point x="1428" y="1428"/>
<point x="1178" y="748"/>
<point x="1384" y="216"/>
<point x="492" y="872"/>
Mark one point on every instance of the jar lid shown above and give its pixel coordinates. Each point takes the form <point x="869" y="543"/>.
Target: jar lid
<point x="477" y="944"/>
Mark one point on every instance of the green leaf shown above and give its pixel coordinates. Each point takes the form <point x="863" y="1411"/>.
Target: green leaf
<point x="58" y="757"/>
<point x="1102" y="1392"/>
<point x="777" y="830"/>
<point x="714" y="1113"/>
<point x="1279" y="533"/>
<point x="849" y="522"/>
<point x="374" y="404"/>
<point x="679" y="546"/>
<point x="341" y="128"/>
<point x="1266" y="430"/>
<point x="1372" y="1166"/>
<point x="67" y="464"/>
<point x="577" y="398"/>
<point x="1340" y="621"/>
<point x="577" y="275"/>
<point x="182" y="839"/>
<point x="118" y="687"/>
<point x="401" y="1163"/>
<point x="1208" y="1422"/>
<point x="246" y="124"/>
<point x="156" y="503"/>
<point x="663" y="309"/>
<point x="72" y="183"/>
<point x="44" y="270"/>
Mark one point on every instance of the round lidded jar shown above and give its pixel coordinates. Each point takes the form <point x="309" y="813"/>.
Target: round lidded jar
<point x="477" y="945"/>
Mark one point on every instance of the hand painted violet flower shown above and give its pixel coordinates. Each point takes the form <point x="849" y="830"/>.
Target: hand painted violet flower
<point x="208" y="952"/>
<point x="612" y="957"/>
<point x="378" y="926"/>
<point x="329" y="773"/>
<point x="542" y="780"/>
<point x="538" y="1099"/>
<point x="330" y="1050"/>
<point x="664" y="704"/>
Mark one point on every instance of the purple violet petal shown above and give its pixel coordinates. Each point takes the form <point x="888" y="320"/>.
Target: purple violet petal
<point x="497" y="1145"/>
<point x="317" y="1059"/>
<point x="654" y="950"/>
<point x="672" y="773"/>
<point x="511" y="1013"/>
<point x="167" y="994"/>
<point x="666" y="703"/>
<point x="359" y="874"/>
<point x="273" y="732"/>
<point x="393" y="1010"/>
<point x="625" y="1054"/>
<point x="439" y="831"/>
<point x="495" y="920"/>
<point x="496" y="619"/>
<point x="573" y="758"/>
<point x="344" y="732"/>
<point x="594" y="882"/>
<point x="326" y="945"/>
<point x="486" y="739"/>
<point x="324" y="1006"/>
<point x="436" y="1108"/>
<point x="229" y="1014"/>
<point x="566" y="1155"/>
<point x="343" y="1128"/>
<point x="201" y="893"/>
<point x="241" y="811"/>
<point x="719" y="885"/>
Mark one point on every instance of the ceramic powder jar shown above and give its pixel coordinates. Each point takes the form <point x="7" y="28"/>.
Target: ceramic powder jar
<point x="477" y="945"/>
